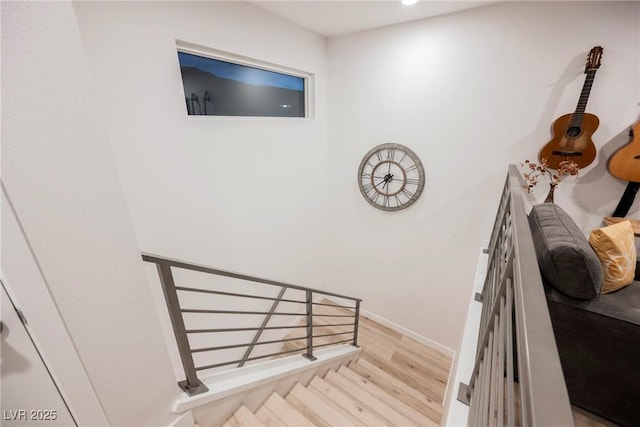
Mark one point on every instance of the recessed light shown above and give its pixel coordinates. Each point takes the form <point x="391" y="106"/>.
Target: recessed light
<point x="409" y="2"/>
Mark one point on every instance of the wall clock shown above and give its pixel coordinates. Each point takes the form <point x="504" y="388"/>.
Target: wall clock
<point x="391" y="177"/>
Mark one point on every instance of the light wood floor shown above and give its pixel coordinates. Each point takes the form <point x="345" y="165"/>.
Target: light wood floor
<point x="396" y="382"/>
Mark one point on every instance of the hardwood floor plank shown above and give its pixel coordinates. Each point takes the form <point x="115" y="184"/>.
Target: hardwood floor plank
<point x="421" y="369"/>
<point x="364" y="397"/>
<point x="398" y="389"/>
<point x="404" y="409"/>
<point x="429" y="387"/>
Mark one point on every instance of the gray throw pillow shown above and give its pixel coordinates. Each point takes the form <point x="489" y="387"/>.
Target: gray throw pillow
<point x="565" y="257"/>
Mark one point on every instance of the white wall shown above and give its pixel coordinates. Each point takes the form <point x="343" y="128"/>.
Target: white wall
<point x="470" y="93"/>
<point x="59" y="172"/>
<point x="243" y="194"/>
<point x="239" y="194"/>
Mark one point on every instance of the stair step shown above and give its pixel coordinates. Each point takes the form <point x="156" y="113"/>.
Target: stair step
<point x="268" y="418"/>
<point x="289" y="415"/>
<point x="316" y="408"/>
<point x="364" y="397"/>
<point x="412" y="397"/>
<point x="426" y="385"/>
<point x="398" y="405"/>
<point x="396" y="381"/>
<point x="359" y="411"/>
<point x="244" y="417"/>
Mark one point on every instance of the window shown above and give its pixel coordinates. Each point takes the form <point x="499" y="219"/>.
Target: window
<point x="223" y="87"/>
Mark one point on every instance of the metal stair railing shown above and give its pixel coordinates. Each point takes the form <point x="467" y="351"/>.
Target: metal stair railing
<point x="192" y="385"/>
<point x="517" y="377"/>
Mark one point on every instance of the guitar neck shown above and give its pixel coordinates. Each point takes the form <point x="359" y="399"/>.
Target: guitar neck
<point x="576" y="120"/>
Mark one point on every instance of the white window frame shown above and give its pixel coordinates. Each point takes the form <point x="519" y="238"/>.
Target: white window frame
<point x="207" y="52"/>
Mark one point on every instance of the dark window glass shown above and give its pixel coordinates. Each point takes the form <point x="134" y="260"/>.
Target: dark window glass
<point x="219" y="88"/>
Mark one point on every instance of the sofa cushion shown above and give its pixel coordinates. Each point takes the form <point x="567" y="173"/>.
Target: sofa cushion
<point x="565" y="257"/>
<point x="615" y="247"/>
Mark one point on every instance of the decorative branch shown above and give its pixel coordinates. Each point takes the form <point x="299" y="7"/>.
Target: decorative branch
<point x="539" y="170"/>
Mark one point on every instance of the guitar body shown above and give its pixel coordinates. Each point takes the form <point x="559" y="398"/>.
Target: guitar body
<point x="571" y="142"/>
<point x="625" y="163"/>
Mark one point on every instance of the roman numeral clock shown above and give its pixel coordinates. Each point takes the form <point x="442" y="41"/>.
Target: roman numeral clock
<point x="391" y="177"/>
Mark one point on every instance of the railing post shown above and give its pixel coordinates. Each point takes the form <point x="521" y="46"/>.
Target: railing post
<point x="356" y="324"/>
<point x="191" y="385"/>
<point x="309" y="302"/>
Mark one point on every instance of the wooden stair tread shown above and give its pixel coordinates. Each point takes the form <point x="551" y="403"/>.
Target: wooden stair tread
<point x="397" y="388"/>
<point x="268" y="418"/>
<point x="286" y="412"/>
<point x="395" y="372"/>
<point x="427" y="386"/>
<point x="322" y="413"/>
<point x="364" y="397"/>
<point x="366" y="416"/>
<point x="244" y="417"/>
<point x="393" y="401"/>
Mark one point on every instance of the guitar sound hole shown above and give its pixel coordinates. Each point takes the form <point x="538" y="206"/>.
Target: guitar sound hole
<point x="573" y="131"/>
<point x="566" y="153"/>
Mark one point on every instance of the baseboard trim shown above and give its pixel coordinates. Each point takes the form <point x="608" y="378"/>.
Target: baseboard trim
<point x="184" y="420"/>
<point x="409" y="333"/>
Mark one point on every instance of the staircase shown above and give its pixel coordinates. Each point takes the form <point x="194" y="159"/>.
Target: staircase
<point x="396" y="382"/>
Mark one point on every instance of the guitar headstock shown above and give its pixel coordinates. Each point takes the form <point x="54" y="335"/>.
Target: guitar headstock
<point x="593" y="59"/>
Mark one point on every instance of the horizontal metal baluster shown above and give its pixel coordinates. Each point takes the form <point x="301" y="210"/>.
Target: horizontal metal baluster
<point x="217" y="330"/>
<point x="332" y="325"/>
<point x="232" y="294"/>
<point x="234" y="362"/>
<point x="350" y="307"/>
<point x="204" y="311"/>
<point x="332" y="343"/>
<point x="332" y="335"/>
<point x="333" y="315"/>
<point x="226" y="347"/>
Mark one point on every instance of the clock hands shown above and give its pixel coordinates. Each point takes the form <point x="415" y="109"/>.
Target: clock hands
<point x="386" y="180"/>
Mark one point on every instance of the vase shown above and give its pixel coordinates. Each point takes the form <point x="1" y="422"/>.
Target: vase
<point x="549" y="199"/>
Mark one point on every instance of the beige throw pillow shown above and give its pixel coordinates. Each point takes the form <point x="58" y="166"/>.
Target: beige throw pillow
<point x="616" y="250"/>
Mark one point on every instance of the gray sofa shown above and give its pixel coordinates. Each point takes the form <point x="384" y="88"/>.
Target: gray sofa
<point x="599" y="346"/>
<point x="598" y="336"/>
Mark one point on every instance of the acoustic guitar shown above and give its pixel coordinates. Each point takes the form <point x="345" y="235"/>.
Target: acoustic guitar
<point x="572" y="132"/>
<point x="625" y="164"/>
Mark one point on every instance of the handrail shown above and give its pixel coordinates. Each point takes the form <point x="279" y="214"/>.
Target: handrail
<point x="204" y="269"/>
<point x="517" y="377"/>
<point x="192" y="385"/>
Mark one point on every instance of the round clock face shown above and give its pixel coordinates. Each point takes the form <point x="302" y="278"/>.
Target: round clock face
<point x="391" y="177"/>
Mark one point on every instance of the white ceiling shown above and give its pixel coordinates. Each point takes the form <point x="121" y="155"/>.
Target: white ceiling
<point x="337" y="17"/>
